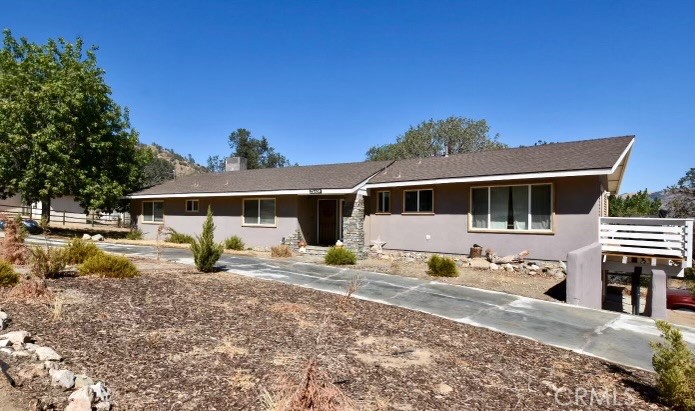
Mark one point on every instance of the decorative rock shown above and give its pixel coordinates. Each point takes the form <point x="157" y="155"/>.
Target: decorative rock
<point x="5" y="343"/>
<point x="21" y="354"/>
<point x="101" y="392"/>
<point x="494" y="267"/>
<point x="32" y="371"/>
<point x="443" y="389"/>
<point x="62" y="378"/>
<point x="531" y="272"/>
<point x="47" y="354"/>
<point x="103" y="406"/>
<point x="559" y="275"/>
<point x="86" y="236"/>
<point x="16" y="337"/>
<point x="79" y="405"/>
<point x="534" y="267"/>
<point x="30" y="347"/>
<point x="82" y="394"/>
<point x="4" y="320"/>
<point x="97" y="237"/>
<point x="563" y="266"/>
<point x="6" y="350"/>
<point x="508" y="267"/>
<point x="479" y="263"/>
<point x="50" y="365"/>
<point x="82" y="380"/>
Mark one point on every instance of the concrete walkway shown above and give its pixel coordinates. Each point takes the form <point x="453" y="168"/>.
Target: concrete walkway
<point x="620" y="338"/>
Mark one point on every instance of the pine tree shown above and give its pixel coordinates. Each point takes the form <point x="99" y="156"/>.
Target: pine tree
<point x="205" y="251"/>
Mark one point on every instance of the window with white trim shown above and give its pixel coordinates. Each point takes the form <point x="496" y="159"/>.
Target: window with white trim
<point x="192" y="206"/>
<point x="259" y="211"/>
<point x="518" y="207"/>
<point x="153" y="211"/>
<point x="383" y="202"/>
<point x="418" y="201"/>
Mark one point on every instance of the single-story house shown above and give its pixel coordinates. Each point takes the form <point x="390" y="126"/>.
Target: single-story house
<point x="545" y="199"/>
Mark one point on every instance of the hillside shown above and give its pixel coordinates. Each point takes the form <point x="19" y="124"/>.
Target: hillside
<point x="183" y="166"/>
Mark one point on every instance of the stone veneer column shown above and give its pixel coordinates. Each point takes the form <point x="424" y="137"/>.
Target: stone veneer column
<point x="353" y="224"/>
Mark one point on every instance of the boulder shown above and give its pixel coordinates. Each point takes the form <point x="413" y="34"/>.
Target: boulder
<point x="534" y="267"/>
<point x="16" y="337"/>
<point x="86" y="236"/>
<point x="47" y="354"/>
<point x="479" y="263"/>
<point x="508" y="267"/>
<point x="4" y="320"/>
<point x="97" y="237"/>
<point x="21" y="354"/>
<point x="82" y="394"/>
<point x="62" y="378"/>
<point x="6" y="350"/>
<point x="31" y="347"/>
<point x="5" y="343"/>
<point x="103" y="406"/>
<point x="30" y="372"/>
<point x="101" y="392"/>
<point x="82" y="380"/>
<point x="50" y="365"/>
<point x="494" y="267"/>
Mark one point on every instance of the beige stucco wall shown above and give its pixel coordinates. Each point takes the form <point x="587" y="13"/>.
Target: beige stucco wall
<point x="575" y="222"/>
<point x="228" y="221"/>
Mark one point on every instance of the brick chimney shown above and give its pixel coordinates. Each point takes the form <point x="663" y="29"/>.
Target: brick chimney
<point x="235" y="164"/>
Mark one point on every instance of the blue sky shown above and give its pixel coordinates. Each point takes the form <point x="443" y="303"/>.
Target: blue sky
<point x="324" y="81"/>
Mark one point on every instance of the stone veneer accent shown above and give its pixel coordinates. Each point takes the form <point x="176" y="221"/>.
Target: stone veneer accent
<point x="353" y="224"/>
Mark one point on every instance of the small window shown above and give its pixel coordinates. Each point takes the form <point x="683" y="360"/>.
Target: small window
<point x="191" y="206"/>
<point x="153" y="211"/>
<point x="383" y="202"/>
<point x="259" y="212"/>
<point x="418" y="201"/>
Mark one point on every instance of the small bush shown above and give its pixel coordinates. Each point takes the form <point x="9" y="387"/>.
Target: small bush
<point x="234" y="243"/>
<point x="12" y="247"/>
<point x="674" y="364"/>
<point x="47" y="262"/>
<point x="109" y="265"/>
<point x="205" y="251"/>
<point x="8" y="276"/>
<point x="134" y="234"/>
<point x="179" y="238"/>
<point x="340" y="256"/>
<point x="282" y="250"/>
<point x="442" y="266"/>
<point x="79" y="250"/>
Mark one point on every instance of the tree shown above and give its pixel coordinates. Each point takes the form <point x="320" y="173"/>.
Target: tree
<point x="60" y="131"/>
<point x="681" y="197"/>
<point x="635" y="205"/>
<point x="452" y="135"/>
<point x="205" y="251"/>
<point x="258" y="153"/>
<point x="215" y="164"/>
<point x="157" y="171"/>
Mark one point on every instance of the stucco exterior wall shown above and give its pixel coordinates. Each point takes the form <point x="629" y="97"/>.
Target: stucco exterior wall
<point x="575" y="222"/>
<point x="228" y="219"/>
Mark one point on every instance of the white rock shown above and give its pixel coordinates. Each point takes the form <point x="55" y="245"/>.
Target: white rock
<point x="508" y="267"/>
<point x="62" y="378"/>
<point x="101" y="392"/>
<point x="82" y="380"/>
<point x="6" y="350"/>
<point x="21" y="353"/>
<point x="50" y="365"/>
<point x="4" y="319"/>
<point x="443" y="389"/>
<point x="534" y="267"/>
<point x="5" y="343"/>
<point x="563" y="266"/>
<point x="84" y="393"/>
<point x="97" y="237"/>
<point x="86" y="236"/>
<point x="103" y="406"/>
<point x="17" y="337"/>
<point x="494" y="267"/>
<point x="31" y="347"/>
<point x="47" y="354"/>
<point x="79" y="405"/>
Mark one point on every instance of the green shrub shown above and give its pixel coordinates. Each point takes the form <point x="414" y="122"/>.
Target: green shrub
<point x="674" y="364"/>
<point x="282" y="250"/>
<point x="442" y="266"/>
<point x="234" y="243"/>
<point x="134" y="234"/>
<point x="340" y="256"/>
<point x="179" y="238"/>
<point x="205" y="251"/>
<point x="109" y="265"/>
<point x="78" y="250"/>
<point x="8" y="276"/>
<point x="47" y="262"/>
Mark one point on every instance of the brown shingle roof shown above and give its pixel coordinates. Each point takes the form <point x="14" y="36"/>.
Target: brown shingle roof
<point x="328" y="176"/>
<point x="572" y="156"/>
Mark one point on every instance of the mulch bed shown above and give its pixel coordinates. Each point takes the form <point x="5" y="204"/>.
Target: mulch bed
<point x="178" y="340"/>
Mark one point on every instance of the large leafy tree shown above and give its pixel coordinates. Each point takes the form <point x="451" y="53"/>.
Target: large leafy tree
<point x="681" y="197"/>
<point x="60" y="131"/>
<point x="452" y="135"/>
<point x="258" y="152"/>
<point x="640" y="204"/>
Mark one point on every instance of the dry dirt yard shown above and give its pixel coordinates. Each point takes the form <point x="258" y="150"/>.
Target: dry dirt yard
<point x="175" y="339"/>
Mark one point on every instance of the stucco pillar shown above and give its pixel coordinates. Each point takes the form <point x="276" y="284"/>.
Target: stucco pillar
<point x="353" y="224"/>
<point x="656" y="296"/>
<point x="584" y="277"/>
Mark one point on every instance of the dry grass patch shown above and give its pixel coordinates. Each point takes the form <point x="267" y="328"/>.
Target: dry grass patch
<point x="391" y="352"/>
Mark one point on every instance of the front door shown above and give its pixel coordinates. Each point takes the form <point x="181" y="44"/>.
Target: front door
<point x="328" y="222"/>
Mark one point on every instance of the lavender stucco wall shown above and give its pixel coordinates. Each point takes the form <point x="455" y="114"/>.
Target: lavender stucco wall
<point x="575" y="222"/>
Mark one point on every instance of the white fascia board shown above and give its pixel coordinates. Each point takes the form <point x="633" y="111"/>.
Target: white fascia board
<point x="528" y="176"/>
<point x="623" y="155"/>
<point x="243" y="194"/>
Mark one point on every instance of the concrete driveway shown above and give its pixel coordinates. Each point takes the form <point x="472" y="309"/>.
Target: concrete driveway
<point x="620" y="338"/>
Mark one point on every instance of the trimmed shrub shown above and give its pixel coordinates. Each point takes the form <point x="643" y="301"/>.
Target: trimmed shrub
<point x="47" y="262"/>
<point x="205" y="251"/>
<point x="442" y="266"/>
<point x="340" y="256"/>
<point x="79" y="250"/>
<point x="110" y="266"/>
<point x="234" y="243"/>
<point x="179" y="238"/>
<point x="282" y="250"/>
<point x="8" y="276"/>
<point x="134" y="234"/>
<point x="674" y="364"/>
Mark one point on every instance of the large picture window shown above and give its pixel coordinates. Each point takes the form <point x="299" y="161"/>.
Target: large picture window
<point x="517" y="207"/>
<point x="383" y="202"/>
<point x="259" y="211"/>
<point x="418" y="201"/>
<point x="153" y="211"/>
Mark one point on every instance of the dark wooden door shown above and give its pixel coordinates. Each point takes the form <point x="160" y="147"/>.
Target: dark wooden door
<point x="328" y="219"/>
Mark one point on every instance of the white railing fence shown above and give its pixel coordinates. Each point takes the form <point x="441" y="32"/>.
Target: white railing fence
<point x="670" y="238"/>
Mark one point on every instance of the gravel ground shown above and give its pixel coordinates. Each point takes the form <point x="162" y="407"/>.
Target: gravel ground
<point x="178" y="340"/>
